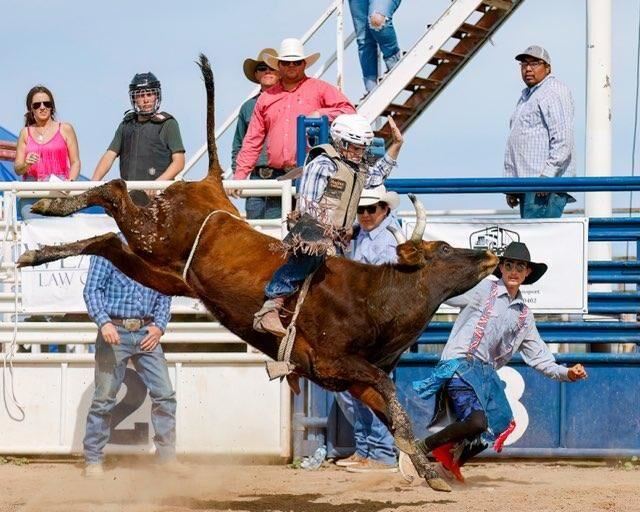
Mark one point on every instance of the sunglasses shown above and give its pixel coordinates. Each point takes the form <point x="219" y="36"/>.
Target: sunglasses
<point x="515" y="265"/>
<point x="263" y="67"/>
<point x="371" y="209"/>
<point x="38" y="104"/>
<point x="532" y="64"/>
<point x="295" y="63"/>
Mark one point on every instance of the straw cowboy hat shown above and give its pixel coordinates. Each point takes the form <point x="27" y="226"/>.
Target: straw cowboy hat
<point x="291" y="50"/>
<point x="379" y="194"/>
<point x="249" y="66"/>
<point x="519" y="252"/>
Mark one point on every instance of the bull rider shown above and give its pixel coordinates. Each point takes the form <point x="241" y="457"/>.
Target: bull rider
<point x="333" y="178"/>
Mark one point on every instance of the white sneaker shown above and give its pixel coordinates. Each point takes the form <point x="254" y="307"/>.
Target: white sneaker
<point x="93" y="471"/>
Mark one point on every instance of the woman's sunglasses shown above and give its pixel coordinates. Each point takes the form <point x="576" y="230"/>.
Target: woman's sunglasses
<point x="263" y="67"/>
<point x="38" y="104"/>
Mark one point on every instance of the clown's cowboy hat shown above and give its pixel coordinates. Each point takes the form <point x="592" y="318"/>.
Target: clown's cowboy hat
<point x="291" y="50"/>
<point x="379" y="194"/>
<point x="249" y="66"/>
<point x="519" y="252"/>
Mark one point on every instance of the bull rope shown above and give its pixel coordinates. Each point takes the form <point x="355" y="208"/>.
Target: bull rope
<point x="283" y="366"/>
<point x="197" y="239"/>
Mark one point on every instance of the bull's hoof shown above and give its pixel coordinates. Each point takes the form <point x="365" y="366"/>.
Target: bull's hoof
<point x="28" y="259"/>
<point x="405" y="445"/>
<point x="438" y="484"/>
<point x="43" y="206"/>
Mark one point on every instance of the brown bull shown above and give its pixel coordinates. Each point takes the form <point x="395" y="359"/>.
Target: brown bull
<point x="356" y="320"/>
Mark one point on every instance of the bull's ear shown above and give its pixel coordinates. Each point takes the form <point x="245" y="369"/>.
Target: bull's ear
<point x="410" y="254"/>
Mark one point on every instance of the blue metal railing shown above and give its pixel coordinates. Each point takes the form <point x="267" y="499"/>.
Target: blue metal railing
<point x="512" y="185"/>
<point x="618" y="372"/>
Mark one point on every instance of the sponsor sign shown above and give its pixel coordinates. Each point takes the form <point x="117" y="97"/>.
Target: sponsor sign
<point x="560" y="243"/>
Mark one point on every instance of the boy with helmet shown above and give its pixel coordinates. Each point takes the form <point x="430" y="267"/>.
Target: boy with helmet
<point x="332" y="181"/>
<point x="147" y="141"/>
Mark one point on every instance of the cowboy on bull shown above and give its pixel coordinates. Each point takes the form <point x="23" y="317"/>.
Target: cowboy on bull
<point x="333" y="178"/>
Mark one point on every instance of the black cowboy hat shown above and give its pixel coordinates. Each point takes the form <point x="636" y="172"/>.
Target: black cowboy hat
<point x="519" y="252"/>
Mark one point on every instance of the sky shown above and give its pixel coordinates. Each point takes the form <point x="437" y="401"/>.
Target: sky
<point x="87" y="52"/>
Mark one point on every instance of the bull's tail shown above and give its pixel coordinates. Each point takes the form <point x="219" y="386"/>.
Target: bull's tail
<point x="215" y="169"/>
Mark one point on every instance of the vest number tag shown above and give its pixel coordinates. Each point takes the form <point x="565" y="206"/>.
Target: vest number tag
<point x="335" y="188"/>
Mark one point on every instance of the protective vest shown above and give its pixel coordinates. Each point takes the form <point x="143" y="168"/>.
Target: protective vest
<point x="339" y="202"/>
<point x="144" y="156"/>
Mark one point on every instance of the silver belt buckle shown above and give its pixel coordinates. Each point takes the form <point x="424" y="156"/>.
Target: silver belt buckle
<point x="265" y="172"/>
<point x="132" y="324"/>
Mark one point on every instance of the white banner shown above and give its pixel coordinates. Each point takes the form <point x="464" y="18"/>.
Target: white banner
<point x="560" y="243"/>
<point x="57" y="287"/>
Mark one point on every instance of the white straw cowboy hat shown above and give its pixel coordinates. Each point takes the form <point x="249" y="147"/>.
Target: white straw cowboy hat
<point x="379" y="194"/>
<point x="291" y="50"/>
<point x="249" y="66"/>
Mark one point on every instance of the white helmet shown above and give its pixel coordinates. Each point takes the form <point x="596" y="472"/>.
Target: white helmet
<point x="352" y="128"/>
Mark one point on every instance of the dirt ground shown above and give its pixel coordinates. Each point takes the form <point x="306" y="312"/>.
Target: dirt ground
<point x="492" y="487"/>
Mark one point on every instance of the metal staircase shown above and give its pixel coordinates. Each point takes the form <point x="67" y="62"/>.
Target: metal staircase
<point x="424" y="71"/>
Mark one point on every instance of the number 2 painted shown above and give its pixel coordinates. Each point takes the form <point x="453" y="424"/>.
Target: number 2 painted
<point x="131" y="402"/>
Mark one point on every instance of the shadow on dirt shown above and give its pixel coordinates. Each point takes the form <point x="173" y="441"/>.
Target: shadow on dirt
<point x="297" y="502"/>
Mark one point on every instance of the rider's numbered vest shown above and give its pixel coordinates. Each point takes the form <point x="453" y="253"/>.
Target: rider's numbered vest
<point x="339" y="202"/>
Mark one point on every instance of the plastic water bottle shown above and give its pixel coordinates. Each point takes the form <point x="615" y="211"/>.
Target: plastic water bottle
<point x="316" y="460"/>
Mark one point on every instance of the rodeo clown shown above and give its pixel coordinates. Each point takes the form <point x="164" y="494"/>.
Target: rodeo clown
<point x="493" y="324"/>
<point x="332" y="181"/>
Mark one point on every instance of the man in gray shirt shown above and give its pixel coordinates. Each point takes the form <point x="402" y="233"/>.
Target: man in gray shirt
<point x="494" y="323"/>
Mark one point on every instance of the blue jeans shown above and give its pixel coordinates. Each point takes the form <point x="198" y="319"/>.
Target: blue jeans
<point x="369" y="39"/>
<point x="463" y="398"/>
<point x="263" y="207"/>
<point x="373" y="439"/>
<point x="111" y="362"/>
<point x="291" y="275"/>
<point x="549" y="206"/>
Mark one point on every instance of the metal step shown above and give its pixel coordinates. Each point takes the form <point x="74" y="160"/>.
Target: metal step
<point x="426" y="69"/>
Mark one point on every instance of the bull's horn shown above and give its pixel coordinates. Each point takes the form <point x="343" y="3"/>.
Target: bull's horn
<point x="397" y="234"/>
<point x="421" y="219"/>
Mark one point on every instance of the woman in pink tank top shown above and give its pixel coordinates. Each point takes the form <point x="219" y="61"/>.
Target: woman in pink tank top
<point x="45" y="147"/>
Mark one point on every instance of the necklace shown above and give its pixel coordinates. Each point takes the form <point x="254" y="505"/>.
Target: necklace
<point x="41" y="133"/>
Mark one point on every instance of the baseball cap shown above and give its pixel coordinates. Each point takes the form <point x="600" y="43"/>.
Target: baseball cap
<point x="537" y="52"/>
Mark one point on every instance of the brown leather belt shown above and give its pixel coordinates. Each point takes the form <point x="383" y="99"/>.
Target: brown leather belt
<point x="132" y="324"/>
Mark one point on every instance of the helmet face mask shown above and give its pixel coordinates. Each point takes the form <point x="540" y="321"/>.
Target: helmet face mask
<point x="145" y="85"/>
<point x="352" y="135"/>
<point x="355" y="153"/>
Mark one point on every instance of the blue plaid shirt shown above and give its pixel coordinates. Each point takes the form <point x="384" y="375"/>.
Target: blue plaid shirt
<point x="541" y="139"/>
<point x="317" y="173"/>
<point x="109" y="293"/>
